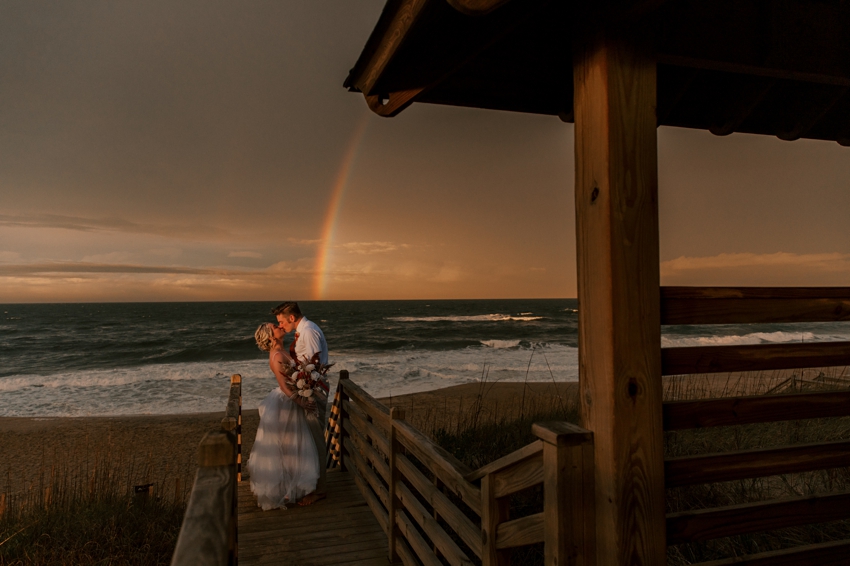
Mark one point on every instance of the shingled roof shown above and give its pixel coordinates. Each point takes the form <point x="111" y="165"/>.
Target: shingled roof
<point x="777" y="67"/>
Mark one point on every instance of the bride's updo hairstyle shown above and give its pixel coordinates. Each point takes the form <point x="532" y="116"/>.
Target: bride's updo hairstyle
<point x="264" y="336"/>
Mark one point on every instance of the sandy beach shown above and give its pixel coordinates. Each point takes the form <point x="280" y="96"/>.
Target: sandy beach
<point x="162" y="449"/>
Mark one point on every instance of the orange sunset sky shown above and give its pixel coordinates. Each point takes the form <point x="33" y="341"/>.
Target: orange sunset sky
<point x="206" y="150"/>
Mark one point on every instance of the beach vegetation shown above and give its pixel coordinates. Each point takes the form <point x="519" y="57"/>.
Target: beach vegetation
<point x="481" y="432"/>
<point x="95" y="513"/>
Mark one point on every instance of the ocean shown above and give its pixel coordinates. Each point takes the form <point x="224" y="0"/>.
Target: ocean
<point x="80" y="359"/>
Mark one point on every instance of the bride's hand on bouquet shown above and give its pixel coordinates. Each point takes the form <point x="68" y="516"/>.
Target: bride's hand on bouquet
<point x="305" y="403"/>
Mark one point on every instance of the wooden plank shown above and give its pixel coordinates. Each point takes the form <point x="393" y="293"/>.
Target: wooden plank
<point x="377" y="510"/>
<point x="527" y="451"/>
<point x="747" y="305"/>
<point x="206" y="534"/>
<point x="368" y="404"/>
<point x="522" y="475"/>
<point x="367" y="473"/>
<point x="367" y="430"/>
<point x="468" y="532"/>
<point x="616" y="195"/>
<point x="713" y="468"/>
<point x="393" y="498"/>
<point x="520" y="532"/>
<point x="494" y="511"/>
<point x="449" y="469"/>
<point x="406" y="554"/>
<point x="833" y="553"/>
<point x="705" y="524"/>
<point x="448" y="548"/>
<point x="417" y="543"/>
<point x="369" y="453"/>
<point x="757" y="357"/>
<point x="208" y="531"/>
<point x="730" y="411"/>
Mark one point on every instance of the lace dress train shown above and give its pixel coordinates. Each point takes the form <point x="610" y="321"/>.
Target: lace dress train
<point x="284" y="462"/>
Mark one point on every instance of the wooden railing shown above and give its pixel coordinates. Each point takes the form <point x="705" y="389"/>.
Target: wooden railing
<point x="434" y="508"/>
<point x="208" y="533"/>
<point x="681" y="305"/>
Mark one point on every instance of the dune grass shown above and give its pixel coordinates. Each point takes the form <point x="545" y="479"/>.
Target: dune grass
<point x="91" y="514"/>
<point x="477" y="438"/>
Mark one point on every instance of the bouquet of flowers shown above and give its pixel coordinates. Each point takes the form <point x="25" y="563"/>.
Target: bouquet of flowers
<point x="309" y="376"/>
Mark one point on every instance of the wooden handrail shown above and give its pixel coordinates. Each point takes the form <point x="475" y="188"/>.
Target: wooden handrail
<point x="757" y="357"/>
<point x="825" y="553"/>
<point x="730" y="466"/>
<point x="718" y="522"/>
<point x="398" y="491"/>
<point x="746" y="305"/>
<point x="679" y="415"/>
<point x="208" y="534"/>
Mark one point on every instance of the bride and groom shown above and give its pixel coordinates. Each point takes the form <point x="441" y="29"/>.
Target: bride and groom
<point x="287" y="462"/>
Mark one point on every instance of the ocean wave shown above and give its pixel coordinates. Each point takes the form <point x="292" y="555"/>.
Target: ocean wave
<point x="202" y="387"/>
<point x="778" y="337"/>
<point x="501" y="343"/>
<point x="465" y="318"/>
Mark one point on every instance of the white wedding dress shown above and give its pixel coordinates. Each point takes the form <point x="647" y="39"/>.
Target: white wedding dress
<point x="284" y="462"/>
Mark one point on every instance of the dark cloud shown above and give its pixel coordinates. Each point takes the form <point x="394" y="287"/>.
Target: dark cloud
<point x="113" y="225"/>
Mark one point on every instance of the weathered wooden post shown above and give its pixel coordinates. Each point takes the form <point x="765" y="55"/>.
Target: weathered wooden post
<point x="569" y="498"/>
<point x="232" y="420"/>
<point x="208" y="533"/>
<point x="616" y="194"/>
<point x="393" y="502"/>
<point x="494" y="510"/>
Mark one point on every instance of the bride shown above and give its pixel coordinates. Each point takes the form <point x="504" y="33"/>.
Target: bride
<point x="284" y="463"/>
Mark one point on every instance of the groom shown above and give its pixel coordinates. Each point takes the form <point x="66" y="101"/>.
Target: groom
<point x="309" y="341"/>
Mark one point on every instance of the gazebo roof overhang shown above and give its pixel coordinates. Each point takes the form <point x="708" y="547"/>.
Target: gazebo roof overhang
<point x="776" y="68"/>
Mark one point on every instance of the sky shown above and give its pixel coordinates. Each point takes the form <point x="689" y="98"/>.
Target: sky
<point x="206" y="150"/>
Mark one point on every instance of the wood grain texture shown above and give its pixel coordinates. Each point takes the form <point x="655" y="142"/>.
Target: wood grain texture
<point x="340" y="530"/>
<point x="757" y="357"/>
<point x="206" y="537"/>
<point x="833" y="553"/>
<point x="369" y="453"/>
<point x="519" y="476"/>
<point x="366" y="473"/>
<point x="720" y="522"/>
<point x="730" y="411"/>
<point x="494" y="511"/>
<point x="366" y="429"/>
<point x="755" y="463"/>
<point x="520" y="532"/>
<point x="746" y="305"/>
<point x="368" y="404"/>
<point x="616" y="193"/>
<point x="421" y="548"/>
<point x="527" y="451"/>
<point x="450" y="470"/>
<point x="466" y="530"/>
<point x="372" y="501"/>
<point x="444" y="543"/>
<point x="393" y="476"/>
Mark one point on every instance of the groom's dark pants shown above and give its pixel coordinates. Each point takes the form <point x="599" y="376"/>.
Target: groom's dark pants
<point x="317" y="429"/>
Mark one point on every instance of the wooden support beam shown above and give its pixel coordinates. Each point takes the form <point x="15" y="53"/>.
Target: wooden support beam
<point x="731" y="411"/>
<point x="755" y="357"/>
<point x="616" y="193"/>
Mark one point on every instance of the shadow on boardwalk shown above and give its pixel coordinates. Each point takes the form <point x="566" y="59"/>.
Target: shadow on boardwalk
<point x="339" y="530"/>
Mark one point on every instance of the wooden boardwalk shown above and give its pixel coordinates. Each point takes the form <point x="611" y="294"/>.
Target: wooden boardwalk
<point x="339" y="530"/>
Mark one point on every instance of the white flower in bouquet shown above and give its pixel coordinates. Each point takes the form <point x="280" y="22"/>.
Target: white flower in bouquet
<point x="306" y="392"/>
<point x="300" y="384"/>
<point x="309" y="367"/>
<point x="316" y="376"/>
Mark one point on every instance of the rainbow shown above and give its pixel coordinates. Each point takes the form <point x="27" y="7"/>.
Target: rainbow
<point x="320" y="277"/>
